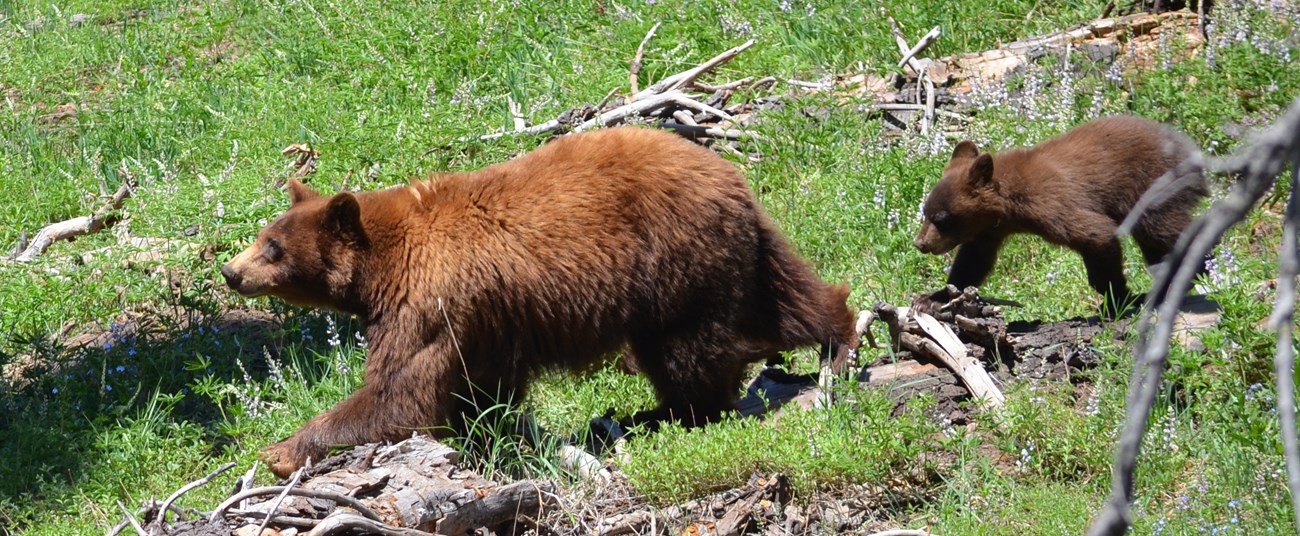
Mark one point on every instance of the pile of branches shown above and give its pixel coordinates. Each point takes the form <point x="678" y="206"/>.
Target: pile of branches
<point x="680" y="102"/>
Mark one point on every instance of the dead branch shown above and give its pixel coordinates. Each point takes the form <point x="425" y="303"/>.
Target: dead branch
<point x="344" y="522"/>
<point x="923" y="335"/>
<point x="636" y="107"/>
<point x="729" y="86"/>
<point x="130" y="517"/>
<point x="688" y="77"/>
<point x="1283" y="320"/>
<point x="583" y="464"/>
<point x="166" y="504"/>
<point x="304" y="163"/>
<point x="635" y="68"/>
<point x="301" y="492"/>
<point x="503" y="505"/>
<point x="909" y="59"/>
<point x="516" y="114"/>
<point x="953" y="354"/>
<point x="904" y="532"/>
<point x="601" y="105"/>
<point x="1259" y="166"/>
<point x="926" y="41"/>
<point x="270" y="512"/>
<point x="78" y="226"/>
<point x="693" y="104"/>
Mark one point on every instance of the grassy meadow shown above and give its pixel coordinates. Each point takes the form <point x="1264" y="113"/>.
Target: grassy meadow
<point x="194" y="101"/>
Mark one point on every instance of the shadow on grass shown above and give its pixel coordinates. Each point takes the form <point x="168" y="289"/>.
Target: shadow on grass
<point x="65" y="394"/>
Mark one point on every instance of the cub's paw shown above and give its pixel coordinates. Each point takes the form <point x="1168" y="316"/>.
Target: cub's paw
<point x="931" y="302"/>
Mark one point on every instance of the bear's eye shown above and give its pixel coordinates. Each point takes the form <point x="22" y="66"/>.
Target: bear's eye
<point x="272" y="251"/>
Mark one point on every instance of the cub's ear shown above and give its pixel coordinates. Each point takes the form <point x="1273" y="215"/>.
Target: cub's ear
<point x="299" y="192"/>
<point x="343" y="216"/>
<point x="966" y="149"/>
<point x="981" y="171"/>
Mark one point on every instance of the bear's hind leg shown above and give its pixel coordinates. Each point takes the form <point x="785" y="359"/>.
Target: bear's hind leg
<point x="1156" y="234"/>
<point x="696" y="372"/>
<point x="1105" y="265"/>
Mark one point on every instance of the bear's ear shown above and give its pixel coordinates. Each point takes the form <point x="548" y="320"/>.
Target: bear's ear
<point x="343" y="216"/>
<point x="981" y="171"/>
<point x="965" y="149"/>
<point x="299" y="192"/>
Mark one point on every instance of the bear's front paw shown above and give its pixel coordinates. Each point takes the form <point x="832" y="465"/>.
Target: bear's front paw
<point x="287" y="456"/>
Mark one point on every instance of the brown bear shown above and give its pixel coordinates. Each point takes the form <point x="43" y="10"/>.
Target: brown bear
<point x="1072" y="190"/>
<point x="471" y="283"/>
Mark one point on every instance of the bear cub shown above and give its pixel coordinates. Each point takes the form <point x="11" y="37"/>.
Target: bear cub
<point x="1073" y="190"/>
<point x="470" y="284"/>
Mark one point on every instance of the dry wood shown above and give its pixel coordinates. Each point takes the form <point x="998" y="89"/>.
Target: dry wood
<point x="275" y="507"/>
<point x="693" y="104"/>
<point x="583" y="464"/>
<point x="301" y="492"/>
<point x="348" y="523"/>
<point x="687" y="77"/>
<point x="1283" y="320"/>
<point x="729" y="86"/>
<point x="506" y="503"/>
<point x="629" y="523"/>
<point x="634" y="108"/>
<point x="921" y="45"/>
<point x="130" y="518"/>
<point x="516" y="114"/>
<point x="75" y="227"/>
<point x="953" y="353"/>
<point x="635" y="68"/>
<point x="684" y="117"/>
<point x="304" y="163"/>
<point x="909" y="59"/>
<point x="166" y="504"/>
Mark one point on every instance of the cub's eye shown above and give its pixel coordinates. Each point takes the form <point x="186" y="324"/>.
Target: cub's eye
<point x="272" y="251"/>
<point x="943" y="220"/>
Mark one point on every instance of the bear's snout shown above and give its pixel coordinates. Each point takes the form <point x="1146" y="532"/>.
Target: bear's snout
<point x="233" y="278"/>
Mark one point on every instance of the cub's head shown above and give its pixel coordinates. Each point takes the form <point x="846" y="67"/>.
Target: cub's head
<point x="963" y="204"/>
<point x="306" y="256"/>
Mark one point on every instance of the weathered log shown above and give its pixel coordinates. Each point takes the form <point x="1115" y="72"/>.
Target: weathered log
<point x="414" y="485"/>
<point x="75" y="227"/>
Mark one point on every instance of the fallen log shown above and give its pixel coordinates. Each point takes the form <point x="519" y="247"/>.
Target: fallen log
<point x="83" y="225"/>
<point x="412" y="487"/>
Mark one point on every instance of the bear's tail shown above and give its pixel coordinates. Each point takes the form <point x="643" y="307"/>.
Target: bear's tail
<point x="807" y="309"/>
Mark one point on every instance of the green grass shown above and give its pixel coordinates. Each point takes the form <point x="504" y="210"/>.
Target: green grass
<point x="194" y="101"/>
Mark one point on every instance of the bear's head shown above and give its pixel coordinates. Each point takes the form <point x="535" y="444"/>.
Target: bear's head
<point x="307" y="256"/>
<point x="964" y="203"/>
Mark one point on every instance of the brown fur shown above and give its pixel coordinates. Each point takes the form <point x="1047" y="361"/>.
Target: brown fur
<point x="621" y="239"/>
<point x="1072" y="190"/>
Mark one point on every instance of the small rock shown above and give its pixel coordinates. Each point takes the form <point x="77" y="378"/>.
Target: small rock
<point x="77" y="19"/>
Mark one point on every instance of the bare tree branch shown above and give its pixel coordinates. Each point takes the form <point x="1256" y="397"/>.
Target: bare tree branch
<point x="162" y="510"/>
<point x="1259" y="165"/>
<point x="1283" y="320"/>
<point x="271" y="490"/>
<point x="76" y="226"/>
<point x="343" y="523"/>
<point x="130" y="517"/>
<point x="270" y="513"/>
<point x="635" y="68"/>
